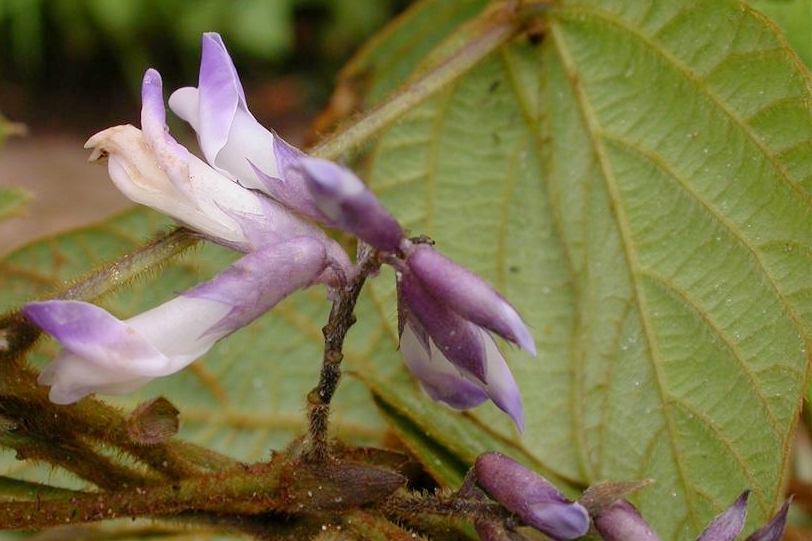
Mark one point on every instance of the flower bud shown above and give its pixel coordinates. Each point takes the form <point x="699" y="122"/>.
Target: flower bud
<point x="727" y="526"/>
<point x="536" y="501"/>
<point x="622" y="522"/>
<point x="773" y="530"/>
<point x="347" y="202"/>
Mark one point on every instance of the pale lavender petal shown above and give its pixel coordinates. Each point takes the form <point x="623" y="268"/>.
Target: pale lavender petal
<point x="437" y="376"/>
<point x="258" y="281"/>
<point x="94" y="334"/>
<point x="221" y="94"/>
<point x="350" y="205"/>
<point x="501" y="387"/>
<point x="622" y="522"/>
<point x="72" y="378"/>
<point x="469" y="295"/>
<point x="229" y="135"/>
<point x="534" y="499"/>
<point x="774" y="529"/>
<point x="460" y="341"/>
<point x="727" y="526"/>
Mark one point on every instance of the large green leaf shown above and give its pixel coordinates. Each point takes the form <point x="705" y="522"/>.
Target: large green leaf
<point x="638" y="184"/>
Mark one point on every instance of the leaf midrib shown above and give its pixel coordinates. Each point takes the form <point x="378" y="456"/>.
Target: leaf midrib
<point x="632" y="261"/>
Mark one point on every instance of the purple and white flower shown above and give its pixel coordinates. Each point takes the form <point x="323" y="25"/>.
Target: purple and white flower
<point x="102" y="354"/>
<point x="153" y="169"/>
<point x="451" y="312"/>
<point x="232" y="140"/>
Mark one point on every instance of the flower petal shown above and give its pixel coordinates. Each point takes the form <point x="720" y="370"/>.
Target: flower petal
<point x="773" y="530"/>
<point x="459" y="340"/>
<point x="437" y="376"/>
<point x="230" y="137"/>
<point x="500" y="387"/>
<point x="97" y="336"/>
<point x="468" y="294"/>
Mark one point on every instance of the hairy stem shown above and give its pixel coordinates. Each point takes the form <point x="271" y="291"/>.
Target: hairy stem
<point x="342" y="317"/>
<point x="17" y="334"/>
<point x="497" y="27"/>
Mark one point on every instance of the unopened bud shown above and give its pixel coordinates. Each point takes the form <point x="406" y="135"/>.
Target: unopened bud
<point x="622" y="522"/>
<point x="534" y="499"/>
<point x="727" y="526"/>
<point x="774" y="529"/>
<point x="344" y="199"/>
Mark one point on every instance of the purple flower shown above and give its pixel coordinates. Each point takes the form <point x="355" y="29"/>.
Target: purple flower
<point x="621" y="522"/>
<point x="151" y="168"/>
<point x="232" y="140"/>
<point x="103" y="354"/>
<point x="536" y="501"/>
<point x="445" y="314"/>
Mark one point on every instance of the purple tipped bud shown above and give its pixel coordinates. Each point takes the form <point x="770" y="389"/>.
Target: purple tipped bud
<point x="459" y="341"/>
<point x="468" y="295"/>
<point x="774" y="529"/>
<point x="622" y="522"/>
<point x="534" y="499"/>
<point x="727" y="526"/>
<point x="346" y="201"/>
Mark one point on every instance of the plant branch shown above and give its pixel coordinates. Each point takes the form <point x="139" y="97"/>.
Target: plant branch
<point x="493" y="29"/>
<point x="342" y="317"/>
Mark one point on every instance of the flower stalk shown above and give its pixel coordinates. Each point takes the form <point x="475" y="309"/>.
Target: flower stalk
<point x="342" y="317"/>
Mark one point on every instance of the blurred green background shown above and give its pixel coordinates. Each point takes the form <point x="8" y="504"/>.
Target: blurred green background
<point x="72" y="62"/>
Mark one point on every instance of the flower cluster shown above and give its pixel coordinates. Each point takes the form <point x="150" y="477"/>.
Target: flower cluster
<point x="537" y="503"/>
<point x="258" y="195"/>
<point x="621" y="521"/>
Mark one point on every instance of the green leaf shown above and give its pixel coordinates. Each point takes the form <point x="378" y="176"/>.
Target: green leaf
<point x="13" y="201"/>
<point x="638" y="184"/>
<point x="794" y="18"/>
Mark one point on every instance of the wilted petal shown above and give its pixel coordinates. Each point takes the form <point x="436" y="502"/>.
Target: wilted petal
<point x="350" y="205"/>
<point x="151" y="168"/>
<point x="534" y="499"/>
<point x="105" y="355"/>
<point x="622" y="522"/>
<point x="468" y="295"/>
<point x="774" y="529"/>
<point x="727" y="526"/>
